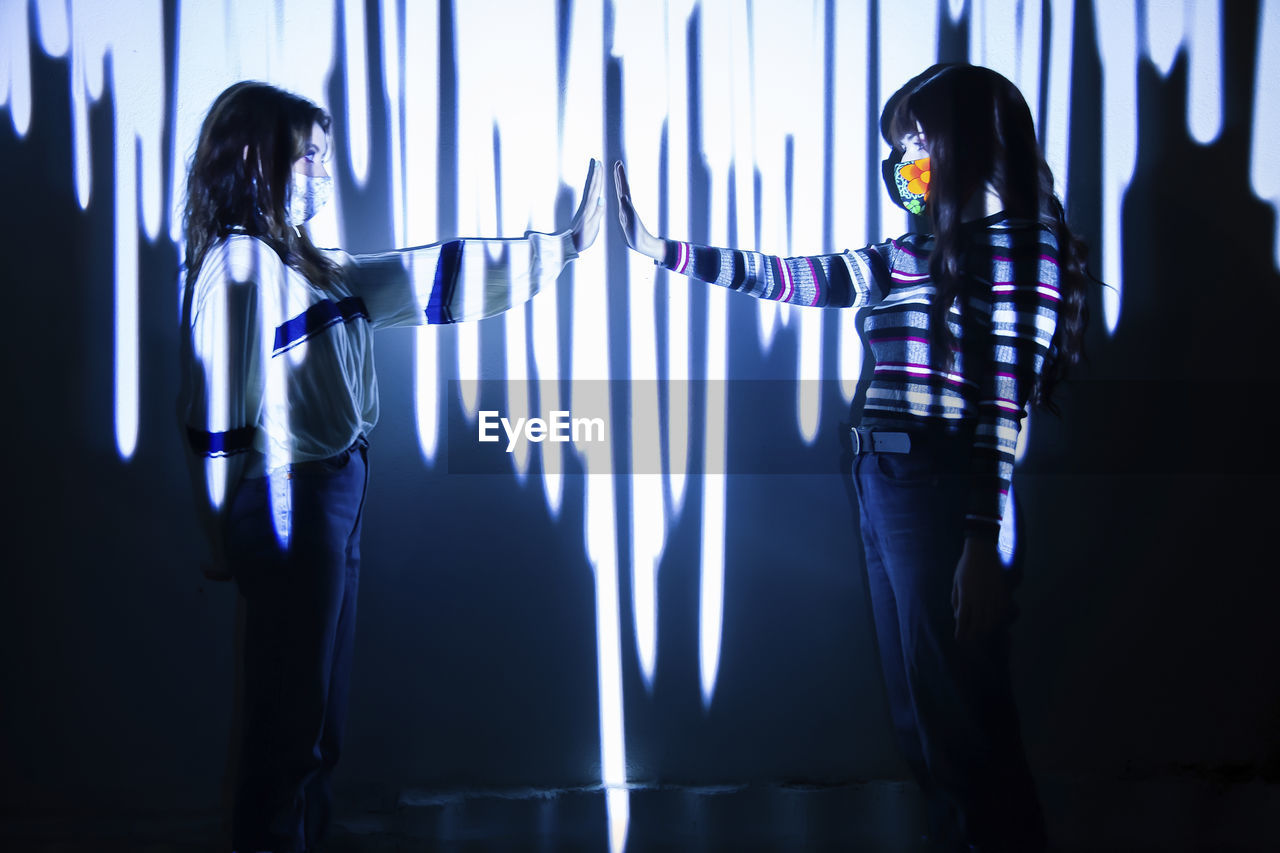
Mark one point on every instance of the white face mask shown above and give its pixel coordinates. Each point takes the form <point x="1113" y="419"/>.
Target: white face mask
<point x="307" y="194"/>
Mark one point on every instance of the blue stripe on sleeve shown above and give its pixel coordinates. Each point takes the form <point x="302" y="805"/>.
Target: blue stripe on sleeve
<point x="445" y="283"/>
<point x="316" y="319"/>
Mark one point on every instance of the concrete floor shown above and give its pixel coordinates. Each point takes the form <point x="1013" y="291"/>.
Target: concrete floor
<point x="1170" y="815"/>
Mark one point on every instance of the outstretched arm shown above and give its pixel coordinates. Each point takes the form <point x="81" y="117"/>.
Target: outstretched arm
<point x="825" y="281"/>
<point x="473" y="278"/>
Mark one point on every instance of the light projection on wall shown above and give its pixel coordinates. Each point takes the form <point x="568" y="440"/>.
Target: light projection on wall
<point x="775" y="102"/>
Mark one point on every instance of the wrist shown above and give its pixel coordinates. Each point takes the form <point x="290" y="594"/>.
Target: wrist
<point x="982" y="541"/>
<point x="652" y="247"/>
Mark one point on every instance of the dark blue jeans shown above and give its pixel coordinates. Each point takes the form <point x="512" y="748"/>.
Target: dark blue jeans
<point x="300" y="619"/>
<point x="951" y="703"/>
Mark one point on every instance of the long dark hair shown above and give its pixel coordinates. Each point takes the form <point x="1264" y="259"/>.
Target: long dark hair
<point x="239" y="176"/>
<point x="979" y="131"/>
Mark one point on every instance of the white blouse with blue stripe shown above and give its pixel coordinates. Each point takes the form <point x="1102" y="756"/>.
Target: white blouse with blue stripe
<point x="279" y="371"/>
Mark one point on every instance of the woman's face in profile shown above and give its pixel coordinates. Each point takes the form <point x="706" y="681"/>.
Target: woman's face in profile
<point x="313" y="158"/>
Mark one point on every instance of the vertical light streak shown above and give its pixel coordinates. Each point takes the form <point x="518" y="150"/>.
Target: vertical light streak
<point x="1204" y="79"/>
<point x="55" y="30"/>
<point x="126" y="294"/>
<point x="1264" y="168"/>
<point x="275" y="307"/>
<point x="546" y="343"/>
<point x="393" y="97"/>
<point x="636" y="30"/>
<point x="601" y="536"/>
<point x="519" y="400"/>
<point x="528" y="125"/>
<point x="1117" y="46"/>
<point x="851" y="156"/>
<point x="357" y="88"/>
<point x="415" y="154"/>
<point x="200" y="27"/>
<point x="135" y="43"/>
<point x="1020" y="448"/>
<point x="511" y="107"/>
<point x="993" y="37"/>
<point x="1166" y="24"/>
<point x="1007" y="542"/>
<point x="211" y="345"/>
<point x="250" y="33"/>
<point x="724" y="120"/>
<point x="583" y="137"/>
<point x="908" y="43"/>
<point x="86" y="86"/>
<point x="15" y="65"/>
<point x="1056" y="131"/>
<point x="1030" y="25"/>
<point x="678" y="424"/>
<point x="809" y="183"/>
<point x="787" y="109"/>
<point x="770" y="84"/>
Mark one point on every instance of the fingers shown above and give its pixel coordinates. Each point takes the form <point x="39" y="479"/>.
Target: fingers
<point x="620" y="180"/>
<point x="586" y="221"/>
<point x="632" y="230"/>
<point x="964" y="621"/>
<point x="623" y="190"/>
<point x="590" y="192"/>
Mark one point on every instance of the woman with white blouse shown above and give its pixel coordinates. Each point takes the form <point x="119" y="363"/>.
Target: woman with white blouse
<point x="279" y="396"/>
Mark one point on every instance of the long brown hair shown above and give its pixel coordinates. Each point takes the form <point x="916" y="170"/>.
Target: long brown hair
<point x="979" y="131"/>
<point x="240" y="176"/>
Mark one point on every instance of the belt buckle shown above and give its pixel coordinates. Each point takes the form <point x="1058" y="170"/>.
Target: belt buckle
<point x="857" y="441"/>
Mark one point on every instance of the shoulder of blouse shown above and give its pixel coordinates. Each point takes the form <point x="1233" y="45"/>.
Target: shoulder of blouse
<point x="345" y="260"/>
<point x="238" y="260"/>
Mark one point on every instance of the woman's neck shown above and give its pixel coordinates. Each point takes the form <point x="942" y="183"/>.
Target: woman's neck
<point x="981" y="205"/>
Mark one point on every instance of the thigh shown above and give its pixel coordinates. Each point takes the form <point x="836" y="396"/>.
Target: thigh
<point x="321" y="529"/>
<point x="913" y="507"/>
<point x="295" y="590"/>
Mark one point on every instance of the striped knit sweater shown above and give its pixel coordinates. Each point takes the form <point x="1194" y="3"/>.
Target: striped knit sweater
<point x="1003" y="323"/>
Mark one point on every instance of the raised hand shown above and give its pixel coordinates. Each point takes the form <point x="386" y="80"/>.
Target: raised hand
<point x="586" y="221"/>
<point x="638" y="237"/>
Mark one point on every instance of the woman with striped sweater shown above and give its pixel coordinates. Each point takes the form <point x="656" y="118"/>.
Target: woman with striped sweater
<point x="968" y="325"/>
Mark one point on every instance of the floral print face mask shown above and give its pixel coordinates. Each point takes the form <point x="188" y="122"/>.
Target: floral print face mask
<point x="912" y="182"/>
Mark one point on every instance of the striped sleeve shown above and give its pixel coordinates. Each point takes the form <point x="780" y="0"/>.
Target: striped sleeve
<point x="845" y="280"/>
<point x="458" y="281"/>
<point x="1024" y="300"/>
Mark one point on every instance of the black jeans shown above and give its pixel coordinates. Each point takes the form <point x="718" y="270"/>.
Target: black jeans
<point x="300" y="619"/>
<point x="952" y="703"/>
